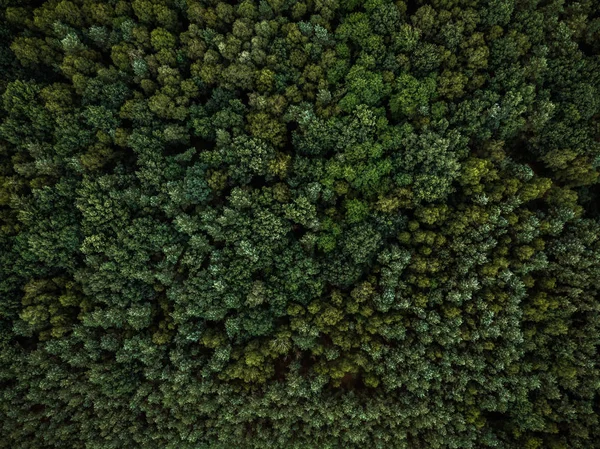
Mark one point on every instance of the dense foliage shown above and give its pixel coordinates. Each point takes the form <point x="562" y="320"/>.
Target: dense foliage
<point x="299" y="224"/>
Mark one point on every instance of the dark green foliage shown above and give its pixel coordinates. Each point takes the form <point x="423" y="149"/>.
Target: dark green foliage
<point x="276" y="223"/>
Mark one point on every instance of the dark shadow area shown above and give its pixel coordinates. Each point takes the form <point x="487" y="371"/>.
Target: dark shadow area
<point x="289" y="143"/>
<point x="306" y="363"/>
<point x="27" y="343"/>
<point x="245" y="99"/>
<point x="123" y="158"/>
<point x="298" y="231"/>
<point x="257" y="182"/>
<point x="411" y="7"/>
<point x="539" y="204"/>
<point x="201" y="144"/>
<point x="39" y="410"/>
<point x="281" y="367"/>
<point x="292" y="126"/>
<point x="157" y="257"/>
<point x="126" y="123"/>
<point x="587" y="49"/>
<point x="589" y="198"/>
<point x="173" y="149"/>
<point x="495" y="420"/>
<point x="352" y="381"/>
<point x="518" y="151"/>
<point x="32" y="3"/>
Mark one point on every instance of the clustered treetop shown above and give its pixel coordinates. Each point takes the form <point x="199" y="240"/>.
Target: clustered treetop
<point x="318" y="223"/>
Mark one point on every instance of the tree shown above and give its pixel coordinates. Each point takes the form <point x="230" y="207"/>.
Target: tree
<point x="269" y="223"/>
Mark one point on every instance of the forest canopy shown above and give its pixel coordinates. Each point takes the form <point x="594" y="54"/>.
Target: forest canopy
<point x="299" y="224"/>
